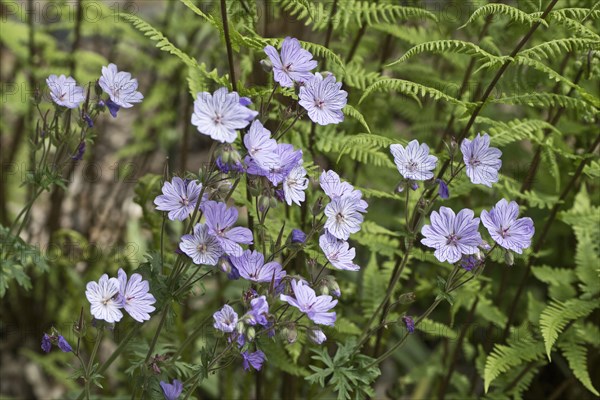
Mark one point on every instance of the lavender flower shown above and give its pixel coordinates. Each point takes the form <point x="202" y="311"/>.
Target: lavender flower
<point x="334" y="188"/>
<point x="294" y="185"/>
<point x="202" y="247"/>
<point x="452" y="235"/>
<point x="443" y="191"/>
<point x="78" y="156"/>
<point x="226" y="319"/>
<point x="343" y="217"/>
<point x="135" y="297"/>
<point x="315" y="307"/>
<point x="259" y="309"/>
<point x="113" y="108"/>
<point x="338" y="252"/>
<point x="103" y="298"/>
<point x="64" y="91"/>
<point x="506" y="229"/>
<point x="469" y="263"/>
<point x="297" y="236"/>
<point x="254" y="360"/>
<point x="64" y="345"/>
<point x="220" y="220"/>
<point x="46" y="343"/>
<point x="120" y="87"/>
<point x="251" y="266"/>
<point x="261" y="148"/>
<point x="410" y="324"/>
<point x="294" y="64"/>
<point x="219" y="115"/>
<point x="88" y="120"/>
<point x="172" y="391"/>
<point x="482" y="161"/>
<point x="179" y="198"/>
<point x="288" y="158"/>
<point x="323" y="99"/>
<point x="316" y="335"/>
<point x="414" y="161"/>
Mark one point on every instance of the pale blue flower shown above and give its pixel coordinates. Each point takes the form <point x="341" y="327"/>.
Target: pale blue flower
<point x="294" y="185"/>
<point x="64" y="91"/>
<point x="323" y="99"/>
<point x="220" y="115"/>
<point x="338" y="252"/>
<point x="316" y="335"/>
<point x="262" y="150"/>
<point x="335" y="188"/>
<point x="202" y="247"/>
<point x="220" y="220"/>
<point x="506" y="229"/>
<point x="452" y="235"/>
<point x="343" y="217"/>
<point x="120" y="87"/>
<point x="259" y="310"/>
<point x="172" y="391"/>
<point x="179" y="198"/>
<point x="315" y="307"/>
<point x="293" y="65"/>
<point x="135" y="296"/>
<point x="414" y="161"/>
<point x="482" y="161"/>
<point x="251" y="266"/>
<point x="226" y="319"/>
<point x="103" y="297"/>
<point x="254" y="360"/>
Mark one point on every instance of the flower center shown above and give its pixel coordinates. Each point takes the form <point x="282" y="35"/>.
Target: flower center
<point x="319" y="103"/>
<point x="201" y="248"/>
<point x="504" y="232"/>
<point x="474" y="161"/>
<point x="217" y="119"/>
<point x="452" y="239"/>
<point x="411" y="165"/>
<point x="288" y="67"/>
<point x="184" y="201"/>
<point x="339" y="218"/>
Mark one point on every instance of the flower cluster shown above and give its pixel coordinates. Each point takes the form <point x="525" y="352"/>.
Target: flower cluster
<point x="120" y="87"/>
<point x="109" y="295"/>
<point x="320" y="95"/>
<point x="455" y="236"/>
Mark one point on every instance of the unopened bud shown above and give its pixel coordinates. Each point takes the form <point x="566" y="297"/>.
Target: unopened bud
<point x="266" y="65"/>
<point x="406" y="298"/>
<point x="251" y="333"/>
<point x="290" y="333"/>
<point x="509" y="258"/>
<point x="264" y="203"/>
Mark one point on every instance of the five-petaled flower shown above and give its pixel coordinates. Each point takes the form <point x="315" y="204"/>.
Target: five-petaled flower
<point x="452" y="235"/>
<point x="315" y="307"/>
<point x="323" y="99"/>
<point x="202" y="247"/>
<point x="254" y="360"/>
<point x="343" y="217"/>
<point x="506" y="229"/>
<point x="251" y="266"/>
<point x="225" y="319"/>
<point x="135" y="296"/>
<point x="414" y="161"/>
<point x="64" y="91"/>
<point x="220" y="115"/>
<point x="220" y="220"/>
<point x="338" y="252"/>
<point x="179" y="198"/>
<point x="293" y="65"/>
<point x="481" y="160"/>
<point x="103" y="297"/>
<point x="120" y="87"/>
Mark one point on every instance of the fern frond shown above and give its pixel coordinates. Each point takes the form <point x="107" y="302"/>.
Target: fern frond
<point x="555" y="48"/>
<point x="411" y="89"/>
<point x="357" y="76"/>
<point x="454" y="46"/>
<point x="503" y="358"/>
<point x="503" y="133"/>
<point x="578" y="14"/>
<point x="502" y="9"/>
<point x="576" y="355"/>
<point x="572" y="24"/>
<point x="312" y="14"/>
<point x="547" y="100"/>
<point x="409" y="34"/>
<point x="207" y="17"/>
<point x="557" y="315"/>
<point x="370" y="13"/>
<point x="354" y="113"/>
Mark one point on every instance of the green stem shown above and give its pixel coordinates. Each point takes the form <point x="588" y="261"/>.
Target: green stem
<point x="91" y="363"/>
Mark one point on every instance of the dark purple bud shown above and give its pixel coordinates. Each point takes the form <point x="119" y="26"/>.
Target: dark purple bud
<point x="410" y="324"/>
<point x="64" y="345"/>
<point x="78" y="156"/>
<point x="113" y="108"/>
<point x="469" y="263"/>
<point x="46" y="343"/>
<point x="88" y="120"/>
<point x="414" y="185"/>
<point x="280" y="195"/>
<point x="245" y="101"/>
<point x="234" y="274"/>
<point x="443" y="191"/>
<point x="298" y="236"/>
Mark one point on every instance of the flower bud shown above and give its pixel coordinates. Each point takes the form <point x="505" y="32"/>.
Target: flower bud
<point x="316" y="335"/>
<point x="414" y="185"/>
<point x="272" y="202"/>
<point x="332" y="286"/>
<point x="509" y="258"/>
<point x="240" y="327"/>
<point x="410" y="324"/>
<point x="297" y="236"/>
<point x="443" y="191"/>
<point x="407" y="298"/>
<point x="250" y="333"/>
<point x="266" y="65"/>
<point x="98" y="89"/>
<point x="290" y="333"/>
<point x="264" y="203"/>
